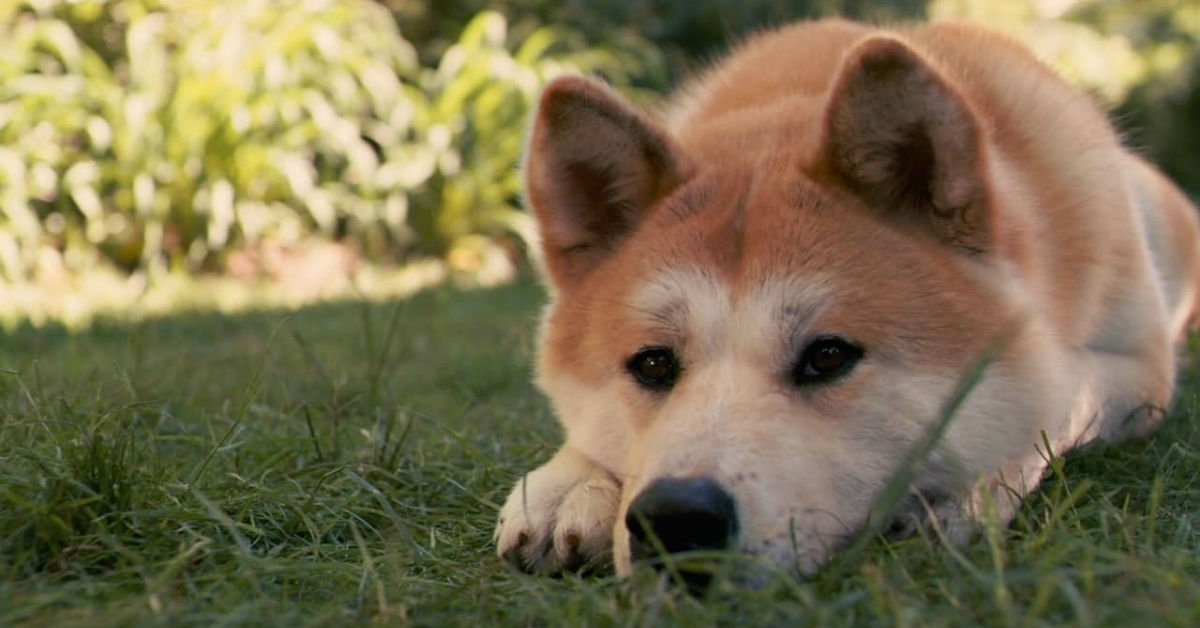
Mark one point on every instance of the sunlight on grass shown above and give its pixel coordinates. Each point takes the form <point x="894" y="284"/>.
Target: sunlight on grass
<point x="77" y="301"/>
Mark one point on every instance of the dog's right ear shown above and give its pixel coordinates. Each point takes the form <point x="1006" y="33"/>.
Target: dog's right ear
<point x="594" y="167"/>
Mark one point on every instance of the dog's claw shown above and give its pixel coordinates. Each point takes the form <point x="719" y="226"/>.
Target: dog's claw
<point x="561" y="555"/>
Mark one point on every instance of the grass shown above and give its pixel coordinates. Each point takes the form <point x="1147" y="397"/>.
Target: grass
<point x="343" y="464"/>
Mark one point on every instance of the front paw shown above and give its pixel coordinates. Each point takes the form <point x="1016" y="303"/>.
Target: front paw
<point x="957" y="517"/>
<point x="942" y="514"/>
<point x="559" y="517"/>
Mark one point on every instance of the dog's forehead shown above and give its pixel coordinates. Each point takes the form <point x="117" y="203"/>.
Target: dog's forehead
<point x="754" y="223"/>
<point x="704" y="308"/>
<point x="750" y="245"/>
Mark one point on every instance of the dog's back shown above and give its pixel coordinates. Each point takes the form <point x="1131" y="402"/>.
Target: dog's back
<point x="1171" y="227"/>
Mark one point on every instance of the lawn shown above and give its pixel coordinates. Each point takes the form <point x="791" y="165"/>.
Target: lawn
<point x="343" y="464"/>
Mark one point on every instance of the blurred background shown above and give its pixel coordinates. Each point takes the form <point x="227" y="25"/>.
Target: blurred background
<point x="167" y="154"/>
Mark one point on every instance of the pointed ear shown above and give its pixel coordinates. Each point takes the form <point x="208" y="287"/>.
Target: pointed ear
<point x="594" y="167"/>
<point x="903" y="139"/>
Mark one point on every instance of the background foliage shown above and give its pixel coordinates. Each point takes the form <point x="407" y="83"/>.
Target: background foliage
<point x="159" y="137"/>
<point x="168" y="134"/>
<point x="154" y="133"/>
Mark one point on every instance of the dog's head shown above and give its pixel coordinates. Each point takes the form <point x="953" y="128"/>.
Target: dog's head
<point x="756" y="319"/>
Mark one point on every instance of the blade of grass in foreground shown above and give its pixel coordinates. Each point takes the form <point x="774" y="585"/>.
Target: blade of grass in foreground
<point x="897" y="488"/>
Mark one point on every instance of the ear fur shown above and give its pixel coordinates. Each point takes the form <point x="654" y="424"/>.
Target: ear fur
<point x="594" y="167"/>
<point x="901" y="137"/>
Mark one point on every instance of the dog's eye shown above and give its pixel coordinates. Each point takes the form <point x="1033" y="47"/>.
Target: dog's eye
<point x="825" y="359"/>
<point x="655" y="368"/>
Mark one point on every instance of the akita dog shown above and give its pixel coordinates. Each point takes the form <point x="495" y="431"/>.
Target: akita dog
<point x="762" y="303"/>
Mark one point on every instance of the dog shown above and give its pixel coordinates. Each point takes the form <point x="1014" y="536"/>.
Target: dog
<point x="763" y="301"/>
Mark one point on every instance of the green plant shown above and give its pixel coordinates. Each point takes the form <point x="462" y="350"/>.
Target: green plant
<point x="150" y="133"/>
<point x="160" y="134"/>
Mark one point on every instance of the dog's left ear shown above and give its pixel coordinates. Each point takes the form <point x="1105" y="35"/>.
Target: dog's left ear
<point x="907" y="143"/>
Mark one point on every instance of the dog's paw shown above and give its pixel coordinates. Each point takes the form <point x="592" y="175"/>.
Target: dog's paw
<point x="957" y="518"/>
<point x="942" y="515"/>
<point x="559" y="517"/>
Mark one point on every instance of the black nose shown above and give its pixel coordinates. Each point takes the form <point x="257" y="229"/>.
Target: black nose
<point x="684" y="514"/>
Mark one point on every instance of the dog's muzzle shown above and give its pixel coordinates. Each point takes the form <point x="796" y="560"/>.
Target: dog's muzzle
<point x="681" y="515"/>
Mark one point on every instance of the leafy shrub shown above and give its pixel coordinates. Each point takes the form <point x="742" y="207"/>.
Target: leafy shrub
<point x="159" y="134"/>
<point x="674" y="36"/>
<point x="182" y="127"/>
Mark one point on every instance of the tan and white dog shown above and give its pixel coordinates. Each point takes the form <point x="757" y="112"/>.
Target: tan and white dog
<point x="760" y="304"/>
